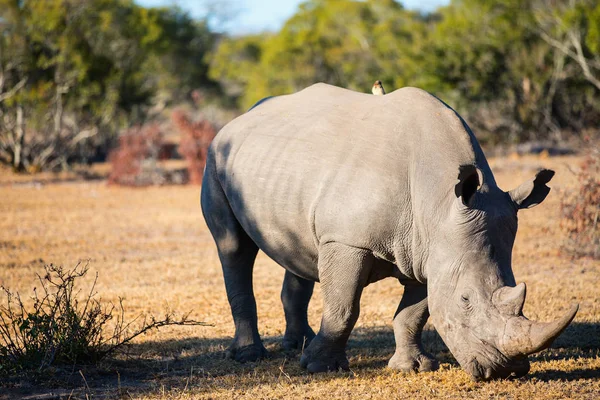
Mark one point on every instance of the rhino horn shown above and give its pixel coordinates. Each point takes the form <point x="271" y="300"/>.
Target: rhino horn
<point x="523" y="337"/>
<point x="510" y="300"/>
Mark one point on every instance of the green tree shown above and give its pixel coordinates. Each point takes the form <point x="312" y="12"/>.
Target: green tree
<point x="76" y="72"/>
<point x="177" y="60"/>
<point x="342" y="42"/>
<point x="486" y="60"/>
<point x="235" y="62"/>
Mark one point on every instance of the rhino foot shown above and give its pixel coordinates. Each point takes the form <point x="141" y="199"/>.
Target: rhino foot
<point x="253" y="352"/>
<point x="325" y="363"/>
<point x="419" y="362"/>
<point x="294" y="341"/>
<point x="321" y="357"/>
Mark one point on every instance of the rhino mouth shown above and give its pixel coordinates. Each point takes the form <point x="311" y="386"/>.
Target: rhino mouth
<point x="489" y="363"/>
<point x="485" y="372"/>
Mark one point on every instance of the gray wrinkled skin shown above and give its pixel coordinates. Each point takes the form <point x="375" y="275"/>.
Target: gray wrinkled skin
<point x="346" y="189"/>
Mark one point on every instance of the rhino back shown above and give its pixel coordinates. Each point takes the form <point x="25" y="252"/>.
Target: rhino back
<point x="329" y="164"/>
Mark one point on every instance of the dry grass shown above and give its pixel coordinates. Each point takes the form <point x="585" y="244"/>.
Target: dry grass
<point x="151" y="246"/>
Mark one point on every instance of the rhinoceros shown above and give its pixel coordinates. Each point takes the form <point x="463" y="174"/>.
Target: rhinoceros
<point x="345" y="189"/>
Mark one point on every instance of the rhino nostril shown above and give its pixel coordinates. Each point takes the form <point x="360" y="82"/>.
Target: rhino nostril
<point x="488" y="374"/>
<point x="475" y="369"/>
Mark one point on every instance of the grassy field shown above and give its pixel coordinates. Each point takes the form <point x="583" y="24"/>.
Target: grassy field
<point x="151" y="247"/>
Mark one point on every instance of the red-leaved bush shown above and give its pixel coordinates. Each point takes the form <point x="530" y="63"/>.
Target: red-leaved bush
<point x="133" y="163"/>
<point x="193" y="147"/>
<point x="581" y="210"/>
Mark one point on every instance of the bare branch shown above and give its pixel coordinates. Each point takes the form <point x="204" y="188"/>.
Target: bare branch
<point x="13" y="91"/>
<point x="154" y="324"/>
<point x="84" y="134"/>
<point x="582" y="61"/>
<point x="557" y="44"/>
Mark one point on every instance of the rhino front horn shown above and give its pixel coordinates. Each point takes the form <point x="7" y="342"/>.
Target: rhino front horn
<point x="523" y="337"/>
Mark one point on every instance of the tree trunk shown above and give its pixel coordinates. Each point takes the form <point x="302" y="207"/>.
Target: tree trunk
<point x="19" y="140"/>
<point x="58" y="112"/>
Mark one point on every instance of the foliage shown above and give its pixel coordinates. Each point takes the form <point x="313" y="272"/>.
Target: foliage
<point x="235" y="63"/>
<point x="346" y="43"/>
<point x="134" y="161"/>
<point x="195" y="139"/>
<point x="490" y="65"/>
<point x="59" y="329"/>
<point x="177" y="64"/>
<point x="581" y="210"/>
<point x="573" y="28"/>
<point x="73" y="74"/>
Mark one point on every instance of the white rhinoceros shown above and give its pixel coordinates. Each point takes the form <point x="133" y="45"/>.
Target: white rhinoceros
<point x="346" y="189"/>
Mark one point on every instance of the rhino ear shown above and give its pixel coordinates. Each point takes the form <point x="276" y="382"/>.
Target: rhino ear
<point x="468" y="183"/>
<point x="533" y="192"/>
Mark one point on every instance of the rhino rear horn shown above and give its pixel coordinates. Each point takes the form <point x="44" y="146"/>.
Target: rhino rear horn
<point x="510" y="300"/>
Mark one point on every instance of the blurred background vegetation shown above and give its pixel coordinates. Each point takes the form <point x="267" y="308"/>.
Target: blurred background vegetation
<point x="75" y="75"/>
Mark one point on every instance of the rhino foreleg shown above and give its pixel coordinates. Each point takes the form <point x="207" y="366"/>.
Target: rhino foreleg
<point x="295" y="296"/>
<point x="343" y="273"/>
<point x="409" y="321"/>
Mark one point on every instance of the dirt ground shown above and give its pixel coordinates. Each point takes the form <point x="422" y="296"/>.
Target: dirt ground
<point x="151" y="247"/>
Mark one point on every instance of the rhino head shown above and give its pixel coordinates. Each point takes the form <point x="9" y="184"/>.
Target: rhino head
<point x="474" y="301"/>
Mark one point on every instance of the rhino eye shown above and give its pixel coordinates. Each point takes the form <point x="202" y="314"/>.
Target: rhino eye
<point x="465" y="303"/>
<point x="465" y="299"/>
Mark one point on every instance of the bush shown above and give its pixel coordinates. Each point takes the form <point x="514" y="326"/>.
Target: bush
<point x="195" y="139"/>
<point x="134" y="162"/>
<point x="581" y="210"/>
<point x="60" y="329"/>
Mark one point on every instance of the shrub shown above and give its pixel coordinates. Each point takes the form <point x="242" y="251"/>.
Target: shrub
<point x="195" y="139"/>
<point x="58" y="328"/>
<point x="134" y="162"/>
<point x="581" y="210"/>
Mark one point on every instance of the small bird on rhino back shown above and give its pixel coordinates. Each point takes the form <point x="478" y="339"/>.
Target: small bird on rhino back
<point x="378" y="89"/>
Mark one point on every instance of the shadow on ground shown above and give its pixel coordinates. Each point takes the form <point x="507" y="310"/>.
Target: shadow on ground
<point x="174" y="364"/>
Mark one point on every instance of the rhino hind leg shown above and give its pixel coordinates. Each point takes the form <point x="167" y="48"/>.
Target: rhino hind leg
<point x="295" y="296"/>
<point x="237" y="271"/>
<point x="237" y="253"/>
<point x="409" y="321"/>
<point x="343" y="273"/>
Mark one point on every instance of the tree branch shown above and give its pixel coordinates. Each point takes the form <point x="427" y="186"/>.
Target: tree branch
<point x="582" y="61"/>
<point x="84" y="134"/>
<point x="13" y="91"/>
<point x="557" y="44"/>
<point x="577" y="56"/>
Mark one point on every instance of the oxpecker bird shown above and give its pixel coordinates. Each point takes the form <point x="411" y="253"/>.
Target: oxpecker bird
<point x="378" y="89"/>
